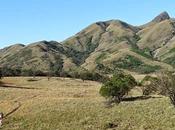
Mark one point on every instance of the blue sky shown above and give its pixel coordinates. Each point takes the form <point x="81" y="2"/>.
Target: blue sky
<point x="26" y="21"/>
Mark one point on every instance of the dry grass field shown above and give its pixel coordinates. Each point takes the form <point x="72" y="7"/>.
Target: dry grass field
<point x="71" y="104"/>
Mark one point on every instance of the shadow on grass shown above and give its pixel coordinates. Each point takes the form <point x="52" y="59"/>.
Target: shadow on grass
<point x="138" y="98"/>
<point x="12" y="111"/>
<point x="4" y="85"/>
<point x="33" y="80"/>
<point x="109" y="104"/>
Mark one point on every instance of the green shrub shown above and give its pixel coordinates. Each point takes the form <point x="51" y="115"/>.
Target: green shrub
<point x="117" y="87"/>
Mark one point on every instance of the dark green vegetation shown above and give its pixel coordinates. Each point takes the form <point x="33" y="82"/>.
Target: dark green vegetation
<point x="172" y="50"/>
<point x="117" y="87"/>
<point x="170" y="60"/>
<point x="104" y="69"/>
<point x="134" y="64"/>
<point x="80" y="74"/>
<point x="86" y="75"/>
<point x="145" y="52"/>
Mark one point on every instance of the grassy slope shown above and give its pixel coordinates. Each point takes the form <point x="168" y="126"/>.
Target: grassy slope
<point x="66" y="104"/>
<point x="123" y="52"/>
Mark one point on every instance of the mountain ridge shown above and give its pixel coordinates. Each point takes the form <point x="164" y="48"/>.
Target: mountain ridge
<point x="102" y="47"/>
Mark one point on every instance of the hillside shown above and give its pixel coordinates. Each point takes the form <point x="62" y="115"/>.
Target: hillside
<point x="102" y="47"/>
<point x="39" y="56"/>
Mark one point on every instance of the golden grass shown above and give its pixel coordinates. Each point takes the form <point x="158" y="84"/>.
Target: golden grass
<point x="71" y="104"/>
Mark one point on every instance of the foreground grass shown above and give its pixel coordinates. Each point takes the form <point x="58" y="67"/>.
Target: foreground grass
<point x="68" y="104"/>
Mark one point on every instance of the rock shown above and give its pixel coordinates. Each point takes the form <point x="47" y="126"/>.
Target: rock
<point x="161" y="17"/>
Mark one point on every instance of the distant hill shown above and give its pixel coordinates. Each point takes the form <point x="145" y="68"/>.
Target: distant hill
<point x="102" y="47"/>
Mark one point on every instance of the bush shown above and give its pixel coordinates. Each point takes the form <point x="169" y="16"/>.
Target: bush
<point x="117" y="87"/>
<point x="167" y="85"/>
<point x="163" y="84"/>
<point x="149" y="86"/>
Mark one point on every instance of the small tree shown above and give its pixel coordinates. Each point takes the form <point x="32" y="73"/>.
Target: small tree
<point x="56" y="67"/>
<point x="167" y="85"/>
<point x="149" y="85"/>
<point x="117" y="87"/>
<point x="163" y="84"/>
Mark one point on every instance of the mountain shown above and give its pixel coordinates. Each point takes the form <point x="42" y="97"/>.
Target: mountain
<point x="102" y="47"/>
<point x="161" y="17"/>
<point x="39" y="56"/>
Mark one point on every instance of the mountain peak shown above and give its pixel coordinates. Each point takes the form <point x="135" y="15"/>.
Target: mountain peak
<point x="162" y="16"/>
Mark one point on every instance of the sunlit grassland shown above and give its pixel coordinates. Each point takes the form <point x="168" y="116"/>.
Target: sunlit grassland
<point x="71" y="104"/>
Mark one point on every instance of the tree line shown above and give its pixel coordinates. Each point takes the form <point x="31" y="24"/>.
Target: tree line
<point x="80" y="74"/>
